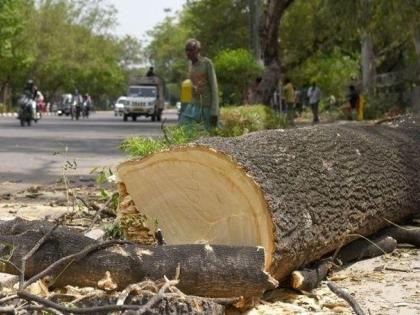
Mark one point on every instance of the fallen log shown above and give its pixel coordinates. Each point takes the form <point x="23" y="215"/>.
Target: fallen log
<point x="204" y="270"/>
<point x="309" y="278"/>
<point x="298" y="193"/>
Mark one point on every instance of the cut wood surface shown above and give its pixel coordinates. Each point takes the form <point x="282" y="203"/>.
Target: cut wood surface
<point x="299" y="193"/>
<point x="204" y="270"/>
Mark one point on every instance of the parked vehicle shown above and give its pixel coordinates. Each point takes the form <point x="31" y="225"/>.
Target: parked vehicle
<point x="145" y="98"/>
<point x="119" y="106"/>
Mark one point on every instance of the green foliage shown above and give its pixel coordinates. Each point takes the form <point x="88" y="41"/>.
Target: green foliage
<point x="238" y="120"/>
<point x="166" y="50"/>
<point x="235" y="122"/>
<point x="218" y="24"/>
<point x="236" y="70"/>
<point x="114" y="230"/>
<point x="173" y="135"/>
<point x="140" y="146"/>
<point x="63" y="45"/>
<point x="331" y="70"/>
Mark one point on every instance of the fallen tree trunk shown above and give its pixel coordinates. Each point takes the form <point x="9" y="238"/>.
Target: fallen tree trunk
<point x="204" y="270"/>
<point x="299" y="193"/>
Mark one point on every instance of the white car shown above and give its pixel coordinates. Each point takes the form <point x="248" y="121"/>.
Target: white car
<point x="119" y="105"/>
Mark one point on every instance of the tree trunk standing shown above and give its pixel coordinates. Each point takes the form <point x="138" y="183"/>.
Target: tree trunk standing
<point x="368" y="55"/>
<point x="368" y="64"/>
<point x="415" y="99"/>
<point x="254" y="23"/>
<point x="5" y="92"/>
<point x="298" y="193"/>
<point x="269" y="32"/>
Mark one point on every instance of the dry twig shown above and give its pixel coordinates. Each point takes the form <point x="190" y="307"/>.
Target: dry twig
<point x="347" y="297"/>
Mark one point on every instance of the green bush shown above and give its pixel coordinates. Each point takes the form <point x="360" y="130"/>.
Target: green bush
<point x="235" y="121"/>
<point x="238" y="120"/>
<point x="236" y="70"/>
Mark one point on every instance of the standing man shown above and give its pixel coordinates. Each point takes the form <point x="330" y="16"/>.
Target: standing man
<point x="314" y="95"/>
<point x="353" y="98"/>
<point x="289" y="98"/>
<point x="204" y="106"/>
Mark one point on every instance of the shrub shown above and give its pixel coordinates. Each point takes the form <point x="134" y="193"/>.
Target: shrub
<point x="235" y="69"/>
<point x="238" y="120"/>
<point x="235" y="122"/>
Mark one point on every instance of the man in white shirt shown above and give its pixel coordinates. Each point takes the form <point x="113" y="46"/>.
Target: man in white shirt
<point x="314" y="95"/>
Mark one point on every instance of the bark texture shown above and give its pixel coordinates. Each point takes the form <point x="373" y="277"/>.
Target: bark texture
<point x="213" y="271"/>
<point x="326" y="182"/>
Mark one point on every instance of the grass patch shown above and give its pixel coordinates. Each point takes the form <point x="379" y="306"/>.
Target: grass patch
<point x="236" y="121"/>
<point x="239" y="120"/>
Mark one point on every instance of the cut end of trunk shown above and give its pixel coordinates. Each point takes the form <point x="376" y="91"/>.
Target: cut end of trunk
<point x="199" y="195"/>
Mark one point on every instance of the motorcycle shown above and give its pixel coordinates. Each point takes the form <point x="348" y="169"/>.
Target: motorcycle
<point x="25" y="114"/>
<point x="75" y="111"/>
<point x="85" y="110"/>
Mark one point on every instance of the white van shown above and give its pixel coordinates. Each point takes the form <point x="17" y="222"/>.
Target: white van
<point x="119" y="105"/>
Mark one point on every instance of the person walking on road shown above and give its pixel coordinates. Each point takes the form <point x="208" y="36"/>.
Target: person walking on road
<point x="204" y="106"/>
<point x="314" y="95"/>
<point x="353" y="98"/>
<point x="289" y="98"/>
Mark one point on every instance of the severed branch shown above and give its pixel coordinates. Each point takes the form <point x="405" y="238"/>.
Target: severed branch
<point x="347" y="297"/>
<point x="69" y="258"/>
<point x="309" y="278"/>
<point x="34" y="249"/>
<point x="73" y="258"/>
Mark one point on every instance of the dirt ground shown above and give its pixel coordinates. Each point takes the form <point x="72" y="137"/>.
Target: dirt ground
<point x="384" y="285"/>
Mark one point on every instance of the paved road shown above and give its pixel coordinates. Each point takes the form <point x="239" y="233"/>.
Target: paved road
<point x="28" y="154"/>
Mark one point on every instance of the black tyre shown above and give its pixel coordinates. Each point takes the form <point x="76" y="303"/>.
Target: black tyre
<point x="125" y="117"/>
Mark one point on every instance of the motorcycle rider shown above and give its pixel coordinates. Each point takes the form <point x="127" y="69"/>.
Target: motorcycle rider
<point x="27" y="103"/>
<point x="87" y="105"/>
<point x="77" y="105"/>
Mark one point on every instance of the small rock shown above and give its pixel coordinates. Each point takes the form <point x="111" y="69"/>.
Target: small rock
<point x="6" y="196"/>
<point x="8" y="280"/>
<point x="96" y="234"/>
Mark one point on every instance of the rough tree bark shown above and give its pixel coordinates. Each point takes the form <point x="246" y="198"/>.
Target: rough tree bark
<point x="367" y="52"/>
<point x="269" y="33"/>
<point x="416" y="89"/>
<point x="212" y="271"/>
<point x="298" y="193"/>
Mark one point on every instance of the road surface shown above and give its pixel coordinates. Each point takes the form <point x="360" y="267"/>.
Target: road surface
<point x="37" y="154"/>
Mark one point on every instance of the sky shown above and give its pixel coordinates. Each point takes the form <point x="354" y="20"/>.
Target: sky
<point x="136" y="17"/>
